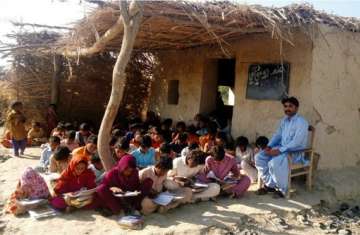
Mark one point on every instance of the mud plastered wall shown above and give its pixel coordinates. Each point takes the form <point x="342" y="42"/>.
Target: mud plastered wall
<point x="335" y="86"/>
<point x="250" y="117"/>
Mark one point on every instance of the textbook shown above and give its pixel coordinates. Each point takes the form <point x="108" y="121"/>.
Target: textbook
<point x="198" y="187"/>
<point x="165" y="198"/>
<point x="226" y="180"/>
<point x="131" y="221"/>
<point x="32" y="202"/>
<point x="81" y="193"/>
<point x="127" y="194"/>
<point x="43" y="213"/>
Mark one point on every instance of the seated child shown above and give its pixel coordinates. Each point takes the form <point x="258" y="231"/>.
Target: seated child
<point x="208" y="141"/>
<point x="69" y="140"/>
<point x="189" y="167"/>
<point x="180" y="128"/>
<point x="221" y="165"/>
<point x="261" y="145"/>
<point x="121" y="148"/>
<point x="187" y="149"/>
<point x="245" y="157"/>
<point x="83" y="133"/>
<point x="36" y="135"/>
<point x="201" y="123"/>
<point x="60" y="159"/>
<point x="180" y="143"/>
<point x="165" y="149"/>
<point x="97" y="167"/>
<point x="75" y="177"/>
<point x="54" y="142"/>
<point x="135" y="142"/>
<point x="156" y="137"/>
<point x="192" y="136"/>
<point x="68" y="126"/>
<point x="30" y="186"/>
<point x="122" y="178"/>
<point x="166" y="129"/>
<point x="145" y="154"/>
<point x="158" y="175"/>
<point x="59" y="131"/>
<point x="6" y="141"/>
<point x="89" y="149"/>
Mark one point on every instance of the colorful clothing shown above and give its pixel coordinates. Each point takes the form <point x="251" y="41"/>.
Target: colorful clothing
<point x="70" y="182"/>
<point x="157" y="181"/>
<point x="16" y="124"/>
<point x="223" y="168"/>
<point x="30" y="186"/>
<point x="180" y="168"/>
<point x="115" y="178"/>
<point x="99" y="174"/>
<point x="45" y="157"/>
<point x="144" y="159"/>
<point x="83" y="152"/>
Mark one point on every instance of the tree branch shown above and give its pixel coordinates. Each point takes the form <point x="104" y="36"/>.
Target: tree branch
<point x="118" y="81"/>
<point x="109" y="35"/>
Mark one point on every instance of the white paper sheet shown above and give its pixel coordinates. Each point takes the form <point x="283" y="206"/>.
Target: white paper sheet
<point x="200" y="185"/>
<point x="127" y="194"/>
<point x="42" y="213"/>
<point x="81" y="193"/>
<point x="51" y="176"/>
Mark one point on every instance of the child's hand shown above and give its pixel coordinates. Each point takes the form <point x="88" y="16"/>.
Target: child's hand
<point x="116" y="190"/>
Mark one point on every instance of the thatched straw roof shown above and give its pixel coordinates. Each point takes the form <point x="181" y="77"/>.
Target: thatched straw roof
<point x="183" y="24"/>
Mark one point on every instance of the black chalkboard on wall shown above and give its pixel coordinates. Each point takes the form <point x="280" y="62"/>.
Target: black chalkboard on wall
<point x="268" y="81"/>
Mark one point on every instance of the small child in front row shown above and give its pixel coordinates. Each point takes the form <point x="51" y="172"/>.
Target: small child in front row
<point x="245" y="157"/>
<point x="261" y="144"/>
<point x="54" y="143"/>
<point x="97" y="167"/>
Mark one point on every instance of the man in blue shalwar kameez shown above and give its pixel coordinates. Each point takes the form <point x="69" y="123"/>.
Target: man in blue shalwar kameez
<point x="291" y="136"/>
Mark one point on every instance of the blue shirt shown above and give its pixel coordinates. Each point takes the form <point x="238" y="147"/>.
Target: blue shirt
<point x="45" y="157"/>
<point x="144" y="159"/>
<point x="291" y="135"/>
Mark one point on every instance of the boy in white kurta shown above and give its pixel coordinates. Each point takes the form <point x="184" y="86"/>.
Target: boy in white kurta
<point x="188" y="166"/>
<point x="245" y="158"/>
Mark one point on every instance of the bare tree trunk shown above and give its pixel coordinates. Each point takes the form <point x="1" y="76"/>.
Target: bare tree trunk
<point x="131" y="19"/>
<point x="55" y="79"/>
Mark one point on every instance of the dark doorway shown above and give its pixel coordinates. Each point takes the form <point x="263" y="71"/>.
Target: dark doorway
<point x="225" y="88"/>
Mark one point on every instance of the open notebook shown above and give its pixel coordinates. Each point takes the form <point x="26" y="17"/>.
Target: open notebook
<point x="165" y="198"/>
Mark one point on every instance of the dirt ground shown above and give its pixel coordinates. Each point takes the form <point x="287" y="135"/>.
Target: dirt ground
<point x="249" y="215"/>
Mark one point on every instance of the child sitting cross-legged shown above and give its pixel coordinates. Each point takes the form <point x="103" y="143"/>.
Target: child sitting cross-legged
<point x="60" y="160"/>
<point x="97" y="167"/>
<point x="54" y="142"/>
<point x="36" y="135"/>
<point x="69" y="140"/>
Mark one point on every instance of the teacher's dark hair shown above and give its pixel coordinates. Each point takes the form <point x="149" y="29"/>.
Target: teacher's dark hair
<point x="291" y="100"/>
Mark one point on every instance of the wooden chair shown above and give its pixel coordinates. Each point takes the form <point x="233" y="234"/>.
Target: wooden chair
<point x="300" y="169"/>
